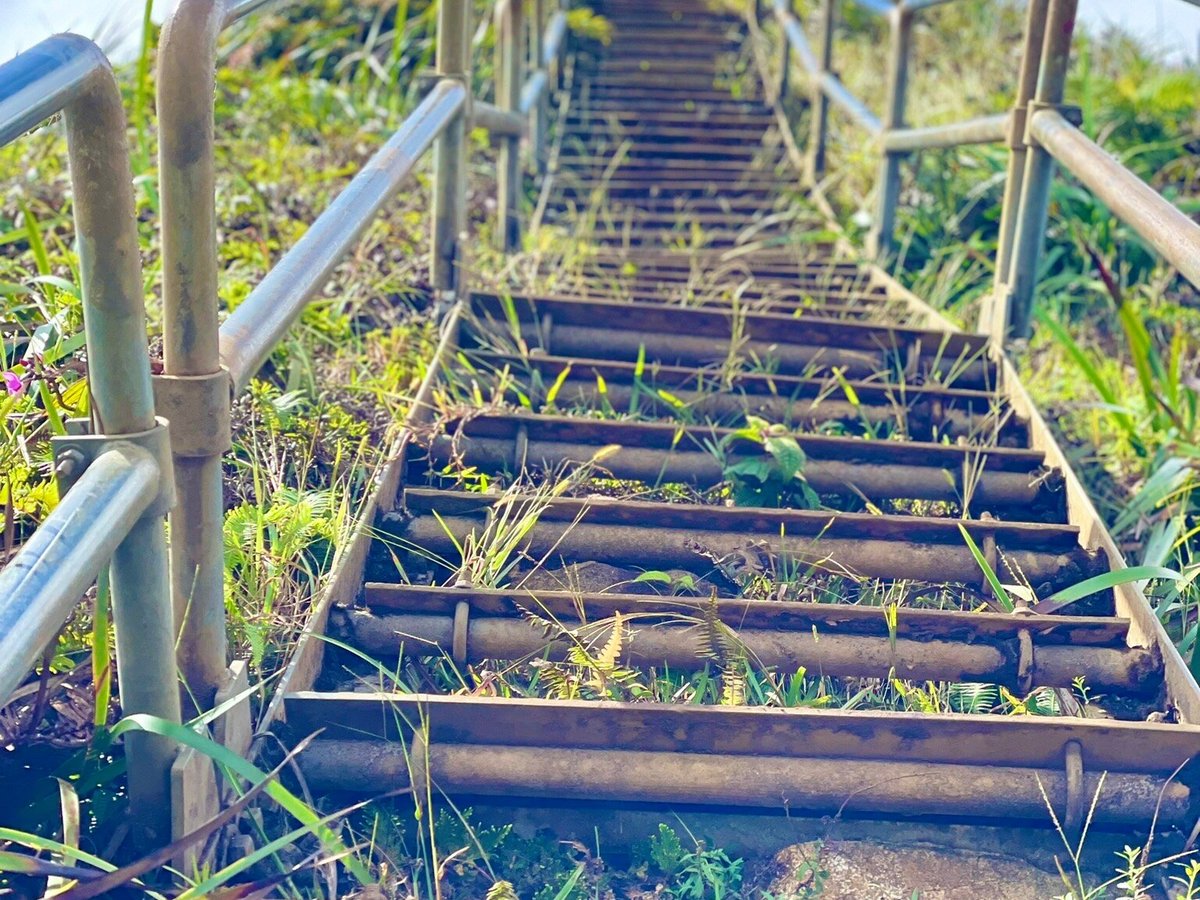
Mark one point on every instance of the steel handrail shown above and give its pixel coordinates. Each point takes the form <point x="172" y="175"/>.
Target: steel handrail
<point x="833" y="88"/>
<point x="1174" y="236"/>
<point x="114" y="512"/>
<point x="252" y="330"/>
<point x="894" y="139"/>
<point x="982" y="130"/>
<point x="205" y="364"/>
<point x="41" y="586"/>
<point x="1036" y="131"/>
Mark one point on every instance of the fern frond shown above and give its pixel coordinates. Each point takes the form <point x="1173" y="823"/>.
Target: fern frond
<point x="502" y="890"/>
<point x="550" y="630"/>
<point x="606" y="659"/>
<point x="733" y="686"/>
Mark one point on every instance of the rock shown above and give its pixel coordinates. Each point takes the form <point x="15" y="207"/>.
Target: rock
<point x="867" y="870"/>
<point x="592" y="577"/>
<point x="585" y="577"/>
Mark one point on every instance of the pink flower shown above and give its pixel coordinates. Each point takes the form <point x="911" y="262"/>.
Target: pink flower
<point x="13" y="382"/>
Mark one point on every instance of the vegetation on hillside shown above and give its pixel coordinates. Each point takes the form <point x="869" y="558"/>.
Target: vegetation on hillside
<point x="1115" y="355"/>
<point x="300" y="106"/>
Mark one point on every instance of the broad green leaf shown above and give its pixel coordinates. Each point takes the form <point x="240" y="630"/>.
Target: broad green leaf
<point x="788" y="455"/>
<point x="757" y="468"/>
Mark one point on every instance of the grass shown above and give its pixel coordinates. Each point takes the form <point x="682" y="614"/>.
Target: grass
<point x="1117" y="331"/>
<point x="306" y="100"/>
<point x="312" y="429"/>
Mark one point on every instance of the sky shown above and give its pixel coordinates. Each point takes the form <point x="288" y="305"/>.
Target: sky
<point x="1172" y="27"/>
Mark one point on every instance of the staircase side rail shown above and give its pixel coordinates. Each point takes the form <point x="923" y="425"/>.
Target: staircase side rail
<point x="114" y="471"/>
<point x="206" y="364"/>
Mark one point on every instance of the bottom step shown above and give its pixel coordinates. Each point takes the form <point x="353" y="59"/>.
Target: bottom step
<point x="970" y="769"/>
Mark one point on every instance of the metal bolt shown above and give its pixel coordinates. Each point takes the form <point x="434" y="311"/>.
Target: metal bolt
<point x="68" y="463"/>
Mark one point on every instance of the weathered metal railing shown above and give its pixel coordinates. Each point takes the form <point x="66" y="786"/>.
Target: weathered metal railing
<point x="116" y="475"/>
<point x="206" y="363"/>
<point x="125" y="475"/>
<point x="895" y="139"/>
<point x="1039" y="131"/>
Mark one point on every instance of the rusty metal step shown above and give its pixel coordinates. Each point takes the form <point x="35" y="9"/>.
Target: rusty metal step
<point x="671" y="120"/>
<point x="698" y="337"/>
<point x="657" y="374"/>
<point x="837" y="640"/>
<point x="812" y="293"/>
<point x="925" y="412"/>
<point x="831" y="304"/>
<point x="691" y="536"/>
<point x="834" y="302"/>
<point x="802" y="760"/>
<point x="998" y="480"/>
<point x="671" y="157"/>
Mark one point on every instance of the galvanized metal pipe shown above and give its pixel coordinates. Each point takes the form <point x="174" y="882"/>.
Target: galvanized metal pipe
<point x="795" y="38"/>
<point x="533" y="95"/>
<point x="123" y="403"/>
<point x="43" y="583"/>
<point x="879" y="240"/>
<point x="450" y="160"/>
<point x="993" y="313"/>
<point x="983" y="130"/>
<point x="70" y="73"/>
<point x="1039" y="171"/>
<point x="496" y="120"/>
<point x="681" y="644"/>
<point x="819" y="125"/>
<point x="796" y="783"/>
<point x="556" y="33"/>
<point x="250" y="334"/>
<point x="833" y="89"/>
<point x="914" y="5"/>
<point x="187" y="185"/>
<point x="536" y="88"/>
<point x="881" y="8"/>
<point x="237" y="9"/>
<point x="510" y="55"/>
<point x="1170" y="232"/>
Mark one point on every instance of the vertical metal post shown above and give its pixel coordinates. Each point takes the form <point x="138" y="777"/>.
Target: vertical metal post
<point x="1015" y="306"/>
<point x="450" y="165"/>
<point x="123" y="403"/>
<point x="879" y="242"/>
<point x="194" y="391"/>
<point x="819" y="123"/>
<point x="540" y="112"/>
<point x="1035" y="32"/>
<point x="785" y="55"/>
<point x="509" y="54"/>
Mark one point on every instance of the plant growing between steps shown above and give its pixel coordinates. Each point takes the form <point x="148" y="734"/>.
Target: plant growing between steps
<point x="774" y="480"/>
<point x="1061" y="599"/>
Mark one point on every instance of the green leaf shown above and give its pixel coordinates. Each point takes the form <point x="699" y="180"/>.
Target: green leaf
<point x="788" y="455"/>
<point x="1067" y="596"/>
<point x="653" y="576"/>
<point x="756" y="468"/>
<point x="552" y="394"/>
<point x="569" y="886"/>
<point x="37" y="842"/>
<point x="997" y="588"/>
